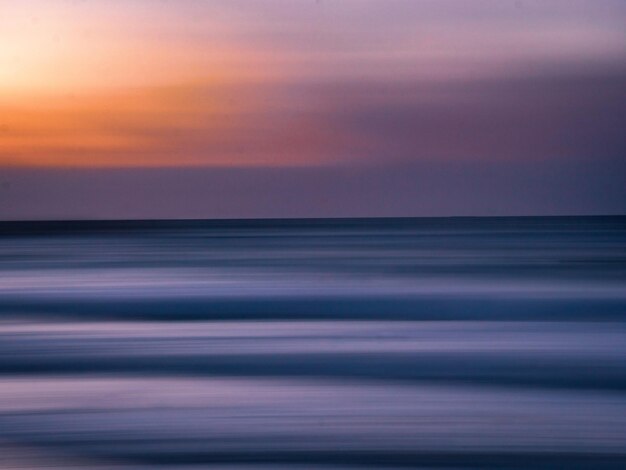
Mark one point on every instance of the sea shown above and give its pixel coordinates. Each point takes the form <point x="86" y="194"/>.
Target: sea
<point x="427" y="343"/>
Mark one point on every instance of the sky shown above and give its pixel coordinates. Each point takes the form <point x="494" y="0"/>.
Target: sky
<point x="301" y="108"/>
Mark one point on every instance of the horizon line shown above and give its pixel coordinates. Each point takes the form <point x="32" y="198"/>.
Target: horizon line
<point x="288" y="219"/>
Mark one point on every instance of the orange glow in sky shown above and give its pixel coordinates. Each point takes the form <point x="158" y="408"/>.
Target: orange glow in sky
<point x="89" y="85"/>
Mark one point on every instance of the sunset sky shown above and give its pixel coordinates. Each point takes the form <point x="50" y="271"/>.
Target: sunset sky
<point x="290" y="108"/>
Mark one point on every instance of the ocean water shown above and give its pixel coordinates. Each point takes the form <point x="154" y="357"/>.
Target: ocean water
<point x="314" y="344"/>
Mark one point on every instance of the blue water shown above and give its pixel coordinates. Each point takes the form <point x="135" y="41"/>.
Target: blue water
<point x="366" y="343"/>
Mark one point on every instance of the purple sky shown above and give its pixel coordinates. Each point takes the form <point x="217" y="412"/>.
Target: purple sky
<point x="153" y="109"/>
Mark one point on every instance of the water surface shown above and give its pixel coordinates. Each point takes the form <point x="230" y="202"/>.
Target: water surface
<point x="364" y="343"/>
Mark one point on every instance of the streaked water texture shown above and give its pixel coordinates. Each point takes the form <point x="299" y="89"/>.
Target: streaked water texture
<point x="308" y="344"/>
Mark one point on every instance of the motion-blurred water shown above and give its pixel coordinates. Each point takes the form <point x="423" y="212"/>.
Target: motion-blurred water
<point x="412" y="343"/>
